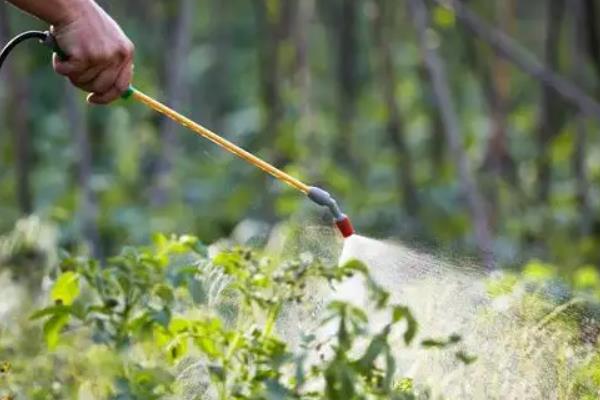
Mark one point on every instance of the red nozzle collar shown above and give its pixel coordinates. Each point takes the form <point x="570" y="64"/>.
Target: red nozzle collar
<point x="345" y="227"/>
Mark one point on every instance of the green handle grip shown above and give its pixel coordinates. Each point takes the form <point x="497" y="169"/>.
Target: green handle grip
<point x="128" y="93"/>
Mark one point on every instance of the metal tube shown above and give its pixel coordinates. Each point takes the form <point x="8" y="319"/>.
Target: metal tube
<point x="218" y="140"/>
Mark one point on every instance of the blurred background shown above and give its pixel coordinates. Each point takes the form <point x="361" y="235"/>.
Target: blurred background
<point x="470" y="127"/>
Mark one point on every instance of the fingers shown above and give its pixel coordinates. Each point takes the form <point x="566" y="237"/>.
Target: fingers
<point x="125" y="77"/>
<point x="86" y="78"/>
<point x="67" y="67"/>
<point x="105" y="82"/>
<point x="105" y="98"/>
<point x="117" y="88"/>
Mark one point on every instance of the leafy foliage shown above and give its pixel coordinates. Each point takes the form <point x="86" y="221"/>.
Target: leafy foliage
<point x="566" y="313"/>
<point x="168" y="320"/>
<point x="150" y="314"/>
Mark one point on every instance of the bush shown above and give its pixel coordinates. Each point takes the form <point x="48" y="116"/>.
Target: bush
<point x="168" y="321"/>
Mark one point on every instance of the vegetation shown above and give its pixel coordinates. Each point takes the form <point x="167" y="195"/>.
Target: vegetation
<point x="464" y="126"/>
<point x="169" y="321"/>
<point x="339" y="93"/>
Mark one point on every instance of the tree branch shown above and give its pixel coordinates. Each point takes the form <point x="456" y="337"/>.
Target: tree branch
<point x="449" y="117"/>
<point x="509" y="49"/>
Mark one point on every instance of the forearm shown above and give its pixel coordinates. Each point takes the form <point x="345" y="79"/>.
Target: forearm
<point x="54" y="12"/>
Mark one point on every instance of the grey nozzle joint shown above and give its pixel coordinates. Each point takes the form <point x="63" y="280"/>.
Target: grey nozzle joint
<point x="322" y="198"/>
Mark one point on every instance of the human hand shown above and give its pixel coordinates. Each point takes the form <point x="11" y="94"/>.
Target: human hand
<point x="100" y="56"/>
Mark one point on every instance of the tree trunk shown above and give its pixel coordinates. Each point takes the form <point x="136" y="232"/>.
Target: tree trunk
<point x="494" y="75"/>
<point x="88" y="208"/>
<point x="18" y="89"/>
<point x="395" y="124"/>
<point x="498" y="158"/>
<point x="347" y="43"/>
<point x="590" y="21"/>
<point x="175" y="94"/>
<point x="548" y="121"/>
<point x="273" y="26"/>
<point x="441" y="89"/>
<point x="219" y="83"/>
<point x="306" y="132"/>
<point x="579" y="155"/>
<point x="437" y="140"/>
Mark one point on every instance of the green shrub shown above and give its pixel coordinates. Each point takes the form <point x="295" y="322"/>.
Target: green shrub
<point x="170" y="321"/>
<point x="137" y="325"/>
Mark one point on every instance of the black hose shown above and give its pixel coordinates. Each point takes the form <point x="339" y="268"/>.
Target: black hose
<point x="43" y="37"/>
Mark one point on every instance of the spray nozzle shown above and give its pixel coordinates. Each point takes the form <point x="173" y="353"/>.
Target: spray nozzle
<point x="323" y="198"/>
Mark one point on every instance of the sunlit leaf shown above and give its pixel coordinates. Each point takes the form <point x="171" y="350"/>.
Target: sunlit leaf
<point x="443" y="17"/>
<point x="586" y="278"/>
<point x="465" y="358"/>
<point x="539" y="271"/>
<point x="53" y="327"/>
<point x="401" y="312"/>
<point x="177" y="348"/>
<point x="66" y="288"/>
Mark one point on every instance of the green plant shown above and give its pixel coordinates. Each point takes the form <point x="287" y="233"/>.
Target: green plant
<point x="559" y="321"/>
<point x="149" y="312"/>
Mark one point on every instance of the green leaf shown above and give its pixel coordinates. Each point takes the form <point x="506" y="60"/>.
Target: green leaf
<point x="433" y="343"/>
<point x="365" y="365"/>
<point x="339" y="382"/>
<point x="443" y="17"/>
<point x="403" y="312"/>
<point x="404" y="385"/>
<point x="66" y="288"/>
<point x="178" y="325"/>
<point x="159" y="240"/>
<point x="165" y="293"/>
<point x="355" y="265"/>
<point x="586" y="278"/>
<point x="177" y="347"/>
<point x="502" y="285"/>
<point x="441" y="343"/>
<point x="53" y="310"/>
<point x="53" y="327"/>
<point x="208" y="347"/>
<point x="217" y="372"/>
<point x="562" y="146"/>
<point x="465" y="358"/>
<point x="538" y="271"/>
<point x="5" y="367"/>
<point x="188" y="240"/>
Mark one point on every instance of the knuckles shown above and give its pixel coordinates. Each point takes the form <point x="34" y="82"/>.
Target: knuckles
<point x="121" y="86"/>
<point x="126" y="49"/>
<point x="107" y="53"/>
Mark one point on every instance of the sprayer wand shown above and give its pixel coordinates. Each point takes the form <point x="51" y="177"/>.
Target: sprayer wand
<point x="317" y="195"/>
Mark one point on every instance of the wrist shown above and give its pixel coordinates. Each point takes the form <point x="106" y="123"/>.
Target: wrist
<point x="70" y="11"/>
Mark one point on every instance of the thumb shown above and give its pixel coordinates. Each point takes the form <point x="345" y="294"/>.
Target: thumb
<point x="64" y="67"/>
